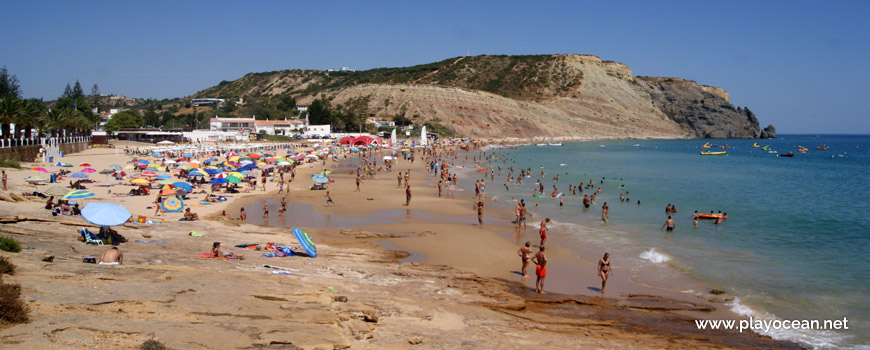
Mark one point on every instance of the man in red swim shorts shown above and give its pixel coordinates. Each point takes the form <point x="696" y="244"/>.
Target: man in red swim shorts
<point x="540" y="260"/>
<point x="544" y="230"/>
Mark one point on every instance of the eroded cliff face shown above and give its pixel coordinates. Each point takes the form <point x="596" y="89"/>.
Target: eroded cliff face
<point x="701" y="111"/>
<point x="565" y="96"/>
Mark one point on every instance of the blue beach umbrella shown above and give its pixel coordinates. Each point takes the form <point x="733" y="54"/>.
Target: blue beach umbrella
<point x="80" y="175"/>
<point x="320" y="178"/>
<point x="164" y="177"/>
<point x="219" y="181"/>
<point x="105" y="214"/>
<point x="186" y="155"/>
<point x="172" y="205"/>
<point x="143" y="161"/>
<point x="306" y="242"/>
<point x="213" y="171"/>
<point x="183" y="185"/>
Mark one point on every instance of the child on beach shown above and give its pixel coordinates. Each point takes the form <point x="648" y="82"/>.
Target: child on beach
<point x="329" y="199"/>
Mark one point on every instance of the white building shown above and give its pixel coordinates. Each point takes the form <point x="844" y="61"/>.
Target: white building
<point x="239" y="125"/>
<point x="301" y="108"/>
<point x="317" y="130"/>
<point x="206" y="101"/>
<point x="279" y="127"/>
<point x="202" y="135"/>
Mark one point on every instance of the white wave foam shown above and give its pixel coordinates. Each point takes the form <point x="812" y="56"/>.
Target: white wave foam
<point x="654" y="256"/>
<point x="818" y="339"/>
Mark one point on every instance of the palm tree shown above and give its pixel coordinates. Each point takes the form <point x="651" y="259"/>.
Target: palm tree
<point x="9" y="109"/>
<point x="55" y="120"/>
<point x="31" y="116"/>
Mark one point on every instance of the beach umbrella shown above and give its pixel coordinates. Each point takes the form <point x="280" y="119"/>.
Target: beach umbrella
<point x="143" y="161"/>
<point x="40" y="169"/>
<point x="284" y="163"/>
<point x="169" y="161"/>
<point x="153" y="165"/>
<point x="234" y="180"/>
<point x="267" y="166"/>
<point x="56" y="191"/>
<point x="261" y="164"/>
<point x="105" y="214"/>
<point x="220" y="176"/>
<point x="183" y="185"/>
<point x="80" y="175"/>
<point x="157" y="154"/>
<point x="107" y="171"/>
<point x="140" y="181"/>
<point x="166" y="142"/>
<point x="233" y="159"/>
<point x="187" y="155"/>
<point x="163" y="177"/>
<point x="172" y="205"/>
<point x="167" y="190"/>
<point x="34" y="179"/>
<point x="166" y="182"/>
<point x="306" y="242"/>
<point x="197" y="172"/>
<point x="213" y="171"/>
<point x="59" y="164"/>
<point x="184" y="166"/>
<point x="78" y="194"/>
<point x="237" y="174"/>
<point x="149" y="174"/>
<point x="246" y="162"/>
<point x="84" y="164"/>
<point x="89" y="170"/>
<point x="320" y="178"/>
<point x="326" y="172"/>
<point x="254" y="155"/>
<point x="219" y="181"/>
<point x="67" y="165"/>
<point x="271" y="160"/>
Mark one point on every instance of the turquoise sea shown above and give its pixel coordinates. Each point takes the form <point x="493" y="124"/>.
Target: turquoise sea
<point x="796" y="244"/>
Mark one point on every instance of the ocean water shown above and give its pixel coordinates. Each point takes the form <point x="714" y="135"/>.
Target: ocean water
<point x="796" y="244"/>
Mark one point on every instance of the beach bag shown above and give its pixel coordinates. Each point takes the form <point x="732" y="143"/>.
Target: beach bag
<point x="141" y="219"/>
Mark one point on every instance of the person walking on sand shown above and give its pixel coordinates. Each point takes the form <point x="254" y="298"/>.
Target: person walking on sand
<point x="480" y="213"/>
<point x="157" y="207"/>
<point x="399" y="179"/>
<point x="669" y="224"/>
<point x="544" y="230"/>
<point x="329" y="199"/>
<point x="540" y="260"/>
<point x="357" y="184"/>
<point x="439" y="187"/>
<point x="5" y="178"/>
<point x="407" y="194"/>
<point x="604" y="270"/>
<point x="525" y="252"/>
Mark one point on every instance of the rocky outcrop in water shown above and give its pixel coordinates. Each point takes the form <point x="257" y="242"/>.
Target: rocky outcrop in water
<point x="769" y="132"/>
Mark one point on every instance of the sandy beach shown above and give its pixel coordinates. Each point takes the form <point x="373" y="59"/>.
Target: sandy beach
<point x="457" y="289"/>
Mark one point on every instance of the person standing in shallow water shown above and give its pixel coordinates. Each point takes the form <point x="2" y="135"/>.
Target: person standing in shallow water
<point x="604" y="270"/>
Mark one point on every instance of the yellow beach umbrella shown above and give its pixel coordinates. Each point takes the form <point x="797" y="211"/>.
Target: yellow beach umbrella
<point x="140" y="182"/>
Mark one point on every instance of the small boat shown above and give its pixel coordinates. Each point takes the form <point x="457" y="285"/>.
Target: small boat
<point x="711" y="216"/>
<point x="726" y="147"/>
<point x="602" y="145"/>
<point x="802" y="149"/>
<point x="636" y="145"/>
<point x="822" y="147"/>
<point x="756" y="145"/>
<point x="541" y="144"/>
<point x="772" y="152"/>
<point x="711" y="153"/>
<point x="842" y="155"/>
<point x="555" y="144"/>
<point x="707" y="145"/>
<point x="789" y="154"/>
<point x="765" y="148"/>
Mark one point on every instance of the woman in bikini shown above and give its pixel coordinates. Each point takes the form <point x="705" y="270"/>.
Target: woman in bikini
<point x="604" y="270"/>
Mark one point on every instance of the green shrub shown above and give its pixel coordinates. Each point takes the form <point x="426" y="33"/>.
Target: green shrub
<point x="152" y="344"/>
<point x="6" y="266"/>
<point x="12" y="307"/>
<point x="9" y="244"/>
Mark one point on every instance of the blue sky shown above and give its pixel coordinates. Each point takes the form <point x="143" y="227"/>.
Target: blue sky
<point x="801" y="66"/>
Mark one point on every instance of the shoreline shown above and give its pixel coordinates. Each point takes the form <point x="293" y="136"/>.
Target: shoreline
<point x="439" y="250"/>
<point x="357" y="259"/>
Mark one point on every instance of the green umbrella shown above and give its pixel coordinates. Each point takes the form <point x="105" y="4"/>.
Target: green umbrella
<point x="233" y="179"/>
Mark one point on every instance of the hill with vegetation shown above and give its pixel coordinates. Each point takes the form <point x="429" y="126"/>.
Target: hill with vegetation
<point x="558" y="96"/>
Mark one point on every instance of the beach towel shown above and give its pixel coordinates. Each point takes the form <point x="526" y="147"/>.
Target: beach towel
<point x="248" y="246"/>
<point x="149" y="242"/>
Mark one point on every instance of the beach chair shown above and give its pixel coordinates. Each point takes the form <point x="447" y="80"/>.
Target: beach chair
<point x="89" y="238"/>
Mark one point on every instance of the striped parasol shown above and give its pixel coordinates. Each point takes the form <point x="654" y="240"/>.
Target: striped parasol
<point x="78" y="194"/>
<point x="172" y="205"/>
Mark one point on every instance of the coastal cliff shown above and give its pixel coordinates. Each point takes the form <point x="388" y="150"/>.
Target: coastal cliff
<point x="551" y="96"/>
